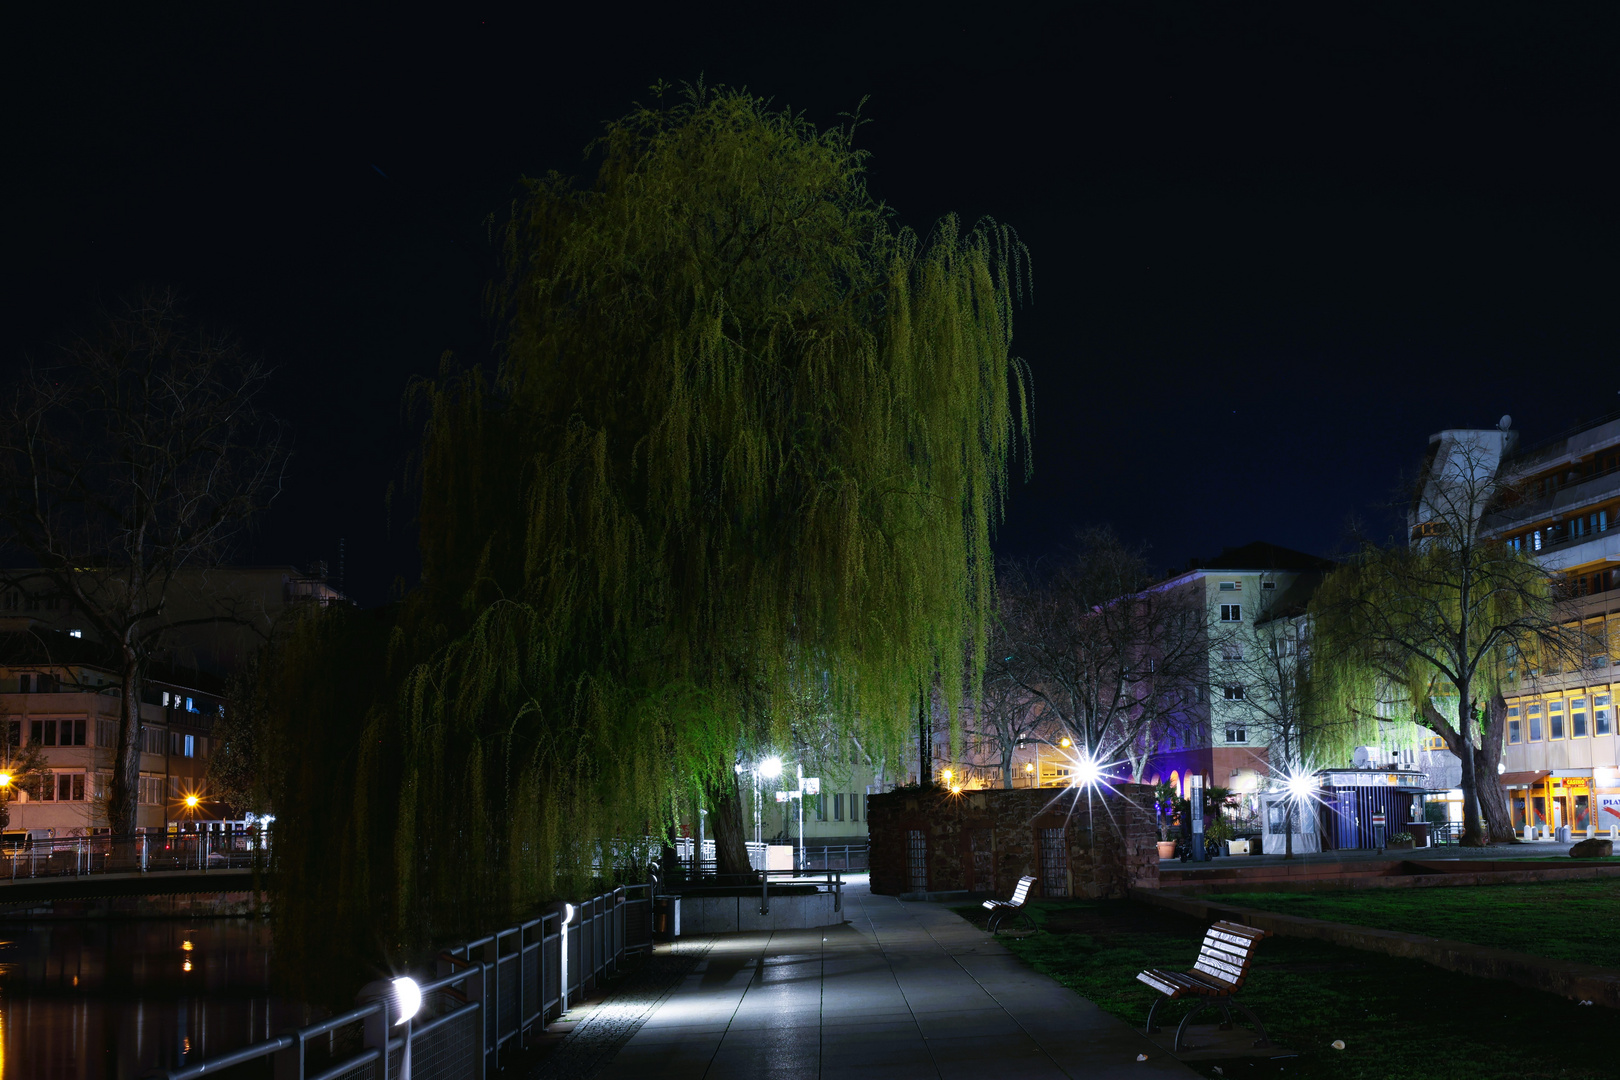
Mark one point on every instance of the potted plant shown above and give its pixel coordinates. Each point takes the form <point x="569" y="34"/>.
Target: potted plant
<point x="1401" y="841"/>
<point x="1164" y="803"/>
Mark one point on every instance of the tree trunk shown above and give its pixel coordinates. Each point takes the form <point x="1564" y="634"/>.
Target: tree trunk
<point x="1459" y="743"/>
<point x="925" y="742"/>
<point x="1288" y="829"/>
<point x="726" y="821"/>
<point x="1492" y="796"/>
<point x="124" y="798"/>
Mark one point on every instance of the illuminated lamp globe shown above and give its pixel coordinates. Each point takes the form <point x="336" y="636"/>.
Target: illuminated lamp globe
<point x="192" y="801"/>
<point x="407" y="999"/>
<point x="771" y="767"/>
<point x="947" y="774"/>
<point x="1298" y="786"/>
<point x="1086" y="773"/>
<point x="1065" y="743"/>
<point x="5" y="779"/>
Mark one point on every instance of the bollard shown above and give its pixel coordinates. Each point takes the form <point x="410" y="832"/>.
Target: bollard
<point x="1529" y="833"/>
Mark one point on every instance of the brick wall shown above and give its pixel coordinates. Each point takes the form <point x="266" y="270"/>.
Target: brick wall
<point x="984" y="841"/>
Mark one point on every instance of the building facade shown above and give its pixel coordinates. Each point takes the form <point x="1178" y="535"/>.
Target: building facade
<point x="1560" y="502"/>
<point x="59" y="695"/>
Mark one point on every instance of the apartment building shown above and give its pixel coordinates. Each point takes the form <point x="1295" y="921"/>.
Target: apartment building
<point x="59" y="693"/>
<point x="1255" y="598"/>
<point x="1560" y="501"/>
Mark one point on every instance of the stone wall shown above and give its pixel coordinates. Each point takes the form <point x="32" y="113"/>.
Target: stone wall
<point x="984" y="841"/>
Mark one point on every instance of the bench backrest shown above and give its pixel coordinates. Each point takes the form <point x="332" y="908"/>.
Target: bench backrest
<point x="1228" y="947"/>
<point x="1020" y="893"/>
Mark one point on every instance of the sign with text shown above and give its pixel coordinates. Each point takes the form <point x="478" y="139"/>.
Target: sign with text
<point x="783" y="796"/>
<point x="1608" y="811"/>
<point x="1378" y="819"/>
<point x="812" y="785"/>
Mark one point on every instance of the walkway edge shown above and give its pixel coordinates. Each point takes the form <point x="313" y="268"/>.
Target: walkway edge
<point x="1566" y="978"/>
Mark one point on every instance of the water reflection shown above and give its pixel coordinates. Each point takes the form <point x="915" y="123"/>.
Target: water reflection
<point x="86" y="1000"/>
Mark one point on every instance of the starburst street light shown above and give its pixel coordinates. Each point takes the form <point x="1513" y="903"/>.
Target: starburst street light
<point x="771" y="767"/>
<point x="1087" y="773"/>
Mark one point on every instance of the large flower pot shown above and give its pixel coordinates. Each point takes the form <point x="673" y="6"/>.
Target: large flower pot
<point x="1167" y="849"/>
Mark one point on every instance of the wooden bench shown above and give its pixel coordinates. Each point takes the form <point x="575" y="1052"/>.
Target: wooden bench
<point x="1000" y="909"/>
<point x="1223" y="965"/>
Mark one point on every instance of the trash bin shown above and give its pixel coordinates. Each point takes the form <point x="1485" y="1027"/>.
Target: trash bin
<point x="666" y="917"/>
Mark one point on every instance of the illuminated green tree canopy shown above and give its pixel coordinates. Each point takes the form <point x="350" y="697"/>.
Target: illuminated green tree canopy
<point x="743" y="449"/>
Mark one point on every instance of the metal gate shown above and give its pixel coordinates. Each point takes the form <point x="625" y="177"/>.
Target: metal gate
<point x="984" y="860"/>
<point x="1054" y="862"/>
<point x="917" y="860"/>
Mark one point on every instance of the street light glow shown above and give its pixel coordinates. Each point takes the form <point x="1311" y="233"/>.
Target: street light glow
<point x="191" y="802"/>
<point x="1086" y="772"/>
<point x="1065" y="743"/>
<point x="1299" y="785"/>
<point x="5" y="779"/>
<point x="771" y="767"/>
<point x="947" y="775"/>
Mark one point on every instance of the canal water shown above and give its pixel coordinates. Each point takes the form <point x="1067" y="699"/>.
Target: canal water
<point x="88" y="1000"/>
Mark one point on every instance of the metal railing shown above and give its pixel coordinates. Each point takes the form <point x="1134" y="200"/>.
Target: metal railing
<point x="703" y="861"/>
<point x="847" y="857"/>
<point x="485" y="994"/>
<point x="831" y="881"/>
<point x="78" y="856"/>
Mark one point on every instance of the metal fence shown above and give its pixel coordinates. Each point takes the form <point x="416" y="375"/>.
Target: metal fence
<point x="484" y="995"/>
<point x="702" y="861"/>
<point x="77" y="856"/>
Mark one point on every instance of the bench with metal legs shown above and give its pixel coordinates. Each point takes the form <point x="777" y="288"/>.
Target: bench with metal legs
<point x="1222" y="967"/>
<point x="1000" y="909"/>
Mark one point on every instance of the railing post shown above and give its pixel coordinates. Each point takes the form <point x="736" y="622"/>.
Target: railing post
<point x="288" y="1064"/>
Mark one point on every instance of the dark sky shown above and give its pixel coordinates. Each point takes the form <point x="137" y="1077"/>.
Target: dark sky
<point x="1275" y="246"/>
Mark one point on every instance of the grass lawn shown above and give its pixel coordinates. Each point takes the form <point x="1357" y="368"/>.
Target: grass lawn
<point x="1565" y="920"/>
<point x="1399" y="1019"/>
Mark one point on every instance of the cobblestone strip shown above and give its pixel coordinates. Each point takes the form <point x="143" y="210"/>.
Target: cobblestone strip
<point x="597" y="1038"/>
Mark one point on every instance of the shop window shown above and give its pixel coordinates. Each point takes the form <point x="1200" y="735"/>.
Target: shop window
<point x="1577" y="718"/>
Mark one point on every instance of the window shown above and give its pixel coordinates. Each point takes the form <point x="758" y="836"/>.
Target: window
<point x="70" y="787"/>
<point x="1555" y="720"/>
<point x="1231" y="650"/>
<point x="854" y="806"/>
<point x="1231" y="613"/>
<point x="1234" y="693"/>
<point x="42" y="732"/>
<point x="821" y="807"/>
<point x="151" y="791"/>
<point x="1600" y="714"/>
<point x="14" y="733"/>
<point x="1230" y="586"/>
<point x="75" y="632"/>
<point x="1577" y="718"/>
<point x="151" y="740"/>
<point x="107" y="733"/>
<point x="1535" y="722"/>
<point x="1515" y="734"/>
<point x="1268" y="584"/>
<point x="1236" y="734"/>
<point x="838" y="807"/>
<point x="190" y="749"/>
<point x="174" y="788"/>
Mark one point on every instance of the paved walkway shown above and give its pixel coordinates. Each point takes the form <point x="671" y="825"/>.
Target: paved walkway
<point x="903" y="991"/>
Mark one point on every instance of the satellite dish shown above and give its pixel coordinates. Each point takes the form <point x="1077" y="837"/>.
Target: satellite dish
<point x="1505" y="423"/>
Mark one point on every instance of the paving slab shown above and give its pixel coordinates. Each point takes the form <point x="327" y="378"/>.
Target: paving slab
<point x="902" y="990"/>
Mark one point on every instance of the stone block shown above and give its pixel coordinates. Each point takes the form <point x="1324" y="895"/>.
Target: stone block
<point x="1592" y="849"/>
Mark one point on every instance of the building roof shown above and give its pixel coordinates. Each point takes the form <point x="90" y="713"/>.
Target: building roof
<point x="1261" y="556"/>
<point x="35" y="646"/>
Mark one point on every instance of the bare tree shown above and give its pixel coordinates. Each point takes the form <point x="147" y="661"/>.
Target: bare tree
<point x="137" y="452"/>
<point x="1004" y="717"/>
<point x="1433" y="622"/>
<point x="1107" y="652"/>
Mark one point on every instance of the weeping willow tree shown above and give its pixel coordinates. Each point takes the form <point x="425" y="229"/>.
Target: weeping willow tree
<point x="743" y="449"/>
<point x="1431" y="631"/>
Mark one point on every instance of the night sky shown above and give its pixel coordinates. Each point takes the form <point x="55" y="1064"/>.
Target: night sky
<point x="1274" y="247"/>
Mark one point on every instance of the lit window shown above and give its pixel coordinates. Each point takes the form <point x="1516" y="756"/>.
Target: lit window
<point x="76" y="633"/>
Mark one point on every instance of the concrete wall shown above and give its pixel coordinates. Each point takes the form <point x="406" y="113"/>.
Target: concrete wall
<point x="984" y="841"/>
<point x="732" y="914"/>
